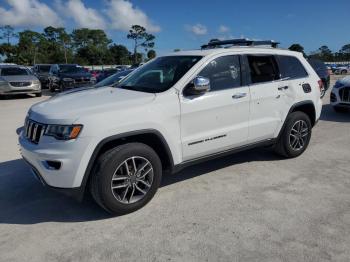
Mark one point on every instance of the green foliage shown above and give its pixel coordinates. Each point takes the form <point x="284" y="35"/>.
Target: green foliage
<point x="7" y="32"/>
<point x="141" y="38"/>
<point x="298" y="48"/>
<point x="323" y="53"/>
<point x="55" y="45"/>
<point x="151" y="54"/>
<point x="119" y="54"/>
<point x="91" y="45"/>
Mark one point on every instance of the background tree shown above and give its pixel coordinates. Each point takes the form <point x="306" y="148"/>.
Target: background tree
<point x="141" y="39"/>
<point x="344" y="52"/>
<point x="7" y="32"/>
<point x="298" y="48"/>
<point x="151" y="54"/>
<point x="323" y="53"/>
<point x="8" y="52"/>
<point x="28" y="47"/>
<point x="119" y="54"/>
<point x="90" y="46"/>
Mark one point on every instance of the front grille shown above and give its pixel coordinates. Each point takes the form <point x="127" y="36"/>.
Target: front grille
<point x="33" y="131"/>
<point x="344" y="94"/>
<point x="20" y="84"/>
<point x="82" y="80"/>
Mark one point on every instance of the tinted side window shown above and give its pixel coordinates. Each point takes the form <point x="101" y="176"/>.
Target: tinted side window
<point x="224" y="73"/>
<point x="263" y="68"/>
<point x="291" y="67"/>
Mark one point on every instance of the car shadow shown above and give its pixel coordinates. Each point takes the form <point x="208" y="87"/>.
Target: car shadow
<point x="23" y="200"/>
<point x="328" y="114"/>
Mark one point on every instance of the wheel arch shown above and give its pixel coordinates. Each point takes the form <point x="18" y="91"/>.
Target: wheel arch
<point x="306" y="107"/>
<point x="150" y="137"/>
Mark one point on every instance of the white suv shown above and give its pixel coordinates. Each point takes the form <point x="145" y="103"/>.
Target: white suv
<point x="173" y="111"/>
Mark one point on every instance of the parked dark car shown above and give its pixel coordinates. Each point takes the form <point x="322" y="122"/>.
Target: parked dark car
<point x="65" y="76"/>
<point x="106" y="73"/>
<point x="322" y="71"/>
<point x="114" y="79"/>
<point x="42" y="71"/>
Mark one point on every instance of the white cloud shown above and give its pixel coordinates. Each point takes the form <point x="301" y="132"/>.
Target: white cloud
<point x="83" y="16"/>
<point x="123" y="15"/>
<point x="197" y="29"/>
<point x="28" y="13"/>
<point x="223" y="29"/>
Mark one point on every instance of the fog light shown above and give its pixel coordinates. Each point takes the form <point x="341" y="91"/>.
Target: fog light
<point x="52" y="164"/>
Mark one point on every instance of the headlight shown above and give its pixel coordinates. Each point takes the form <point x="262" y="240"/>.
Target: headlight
<point x="36" y="82"/>
<point x="68" y="79"/>
<point x="63" y="132"/>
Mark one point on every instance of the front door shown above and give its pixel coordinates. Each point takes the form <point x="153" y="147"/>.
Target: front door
<point x="217" y="120"/>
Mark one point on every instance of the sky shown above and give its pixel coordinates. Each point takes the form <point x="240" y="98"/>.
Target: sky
<point x="189" y="24"/>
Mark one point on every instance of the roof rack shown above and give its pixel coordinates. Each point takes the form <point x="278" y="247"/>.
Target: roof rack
<point x="216" y="43"/>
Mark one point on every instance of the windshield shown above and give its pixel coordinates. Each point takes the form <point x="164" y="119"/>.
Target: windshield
<point x="160" y="74"/>
<point x="113" y="79"/>
<point x="71" y="69"/>
<point x="44" y="68"/>
<point x="14" y="71"/>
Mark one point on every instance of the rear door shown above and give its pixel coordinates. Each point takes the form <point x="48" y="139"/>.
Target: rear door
<point x="217" y="120"/>
<point x="267" y="106"/>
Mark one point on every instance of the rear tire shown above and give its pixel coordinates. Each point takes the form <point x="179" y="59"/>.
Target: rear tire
<point x="295" y="136"/>
<point x="118" y="189"/>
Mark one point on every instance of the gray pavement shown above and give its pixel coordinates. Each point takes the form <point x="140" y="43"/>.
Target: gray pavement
<point x="252" y="206"/>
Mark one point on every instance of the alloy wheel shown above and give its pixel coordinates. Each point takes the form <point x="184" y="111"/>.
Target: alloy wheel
<point x="132" y="180"/>
<point x="298" y="135"/>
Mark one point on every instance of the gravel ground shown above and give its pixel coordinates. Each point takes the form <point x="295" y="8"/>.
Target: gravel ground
<point x="252" y="206"/>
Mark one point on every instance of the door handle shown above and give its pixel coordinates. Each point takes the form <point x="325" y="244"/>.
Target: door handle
<point x="283" y="88"/>
<point x="239" y="95"/>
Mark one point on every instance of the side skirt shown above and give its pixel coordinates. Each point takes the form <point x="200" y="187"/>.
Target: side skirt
<point x="177" y="168"/>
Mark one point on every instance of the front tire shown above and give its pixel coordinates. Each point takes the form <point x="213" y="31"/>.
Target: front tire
<point x="126" y="178"/>
<point x="39" y="94"/>
<point x="295" y="136"/>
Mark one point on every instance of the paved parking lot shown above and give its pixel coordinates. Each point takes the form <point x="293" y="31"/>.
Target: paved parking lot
<point x="252" y="206"/>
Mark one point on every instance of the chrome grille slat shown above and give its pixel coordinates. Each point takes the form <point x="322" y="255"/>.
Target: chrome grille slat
<point x="34" y="131"/>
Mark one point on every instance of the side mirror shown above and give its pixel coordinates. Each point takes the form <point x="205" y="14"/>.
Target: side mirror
<point x="198" y="86"/>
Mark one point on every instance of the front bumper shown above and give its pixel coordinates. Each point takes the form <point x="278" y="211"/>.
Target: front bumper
<point x="75" y="192"/>
<point x="68" y="153"/>
<point x="77" y="84"/>
<point x="34" y="88"/>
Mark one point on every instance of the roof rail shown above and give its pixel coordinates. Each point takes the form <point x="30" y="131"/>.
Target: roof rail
<point x="216" y="43"/>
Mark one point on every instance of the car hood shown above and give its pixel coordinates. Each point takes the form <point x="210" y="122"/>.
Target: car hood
<point x="68" y="108"/>
<point x="344" y="81"/>
<point x="21" y="78"/>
